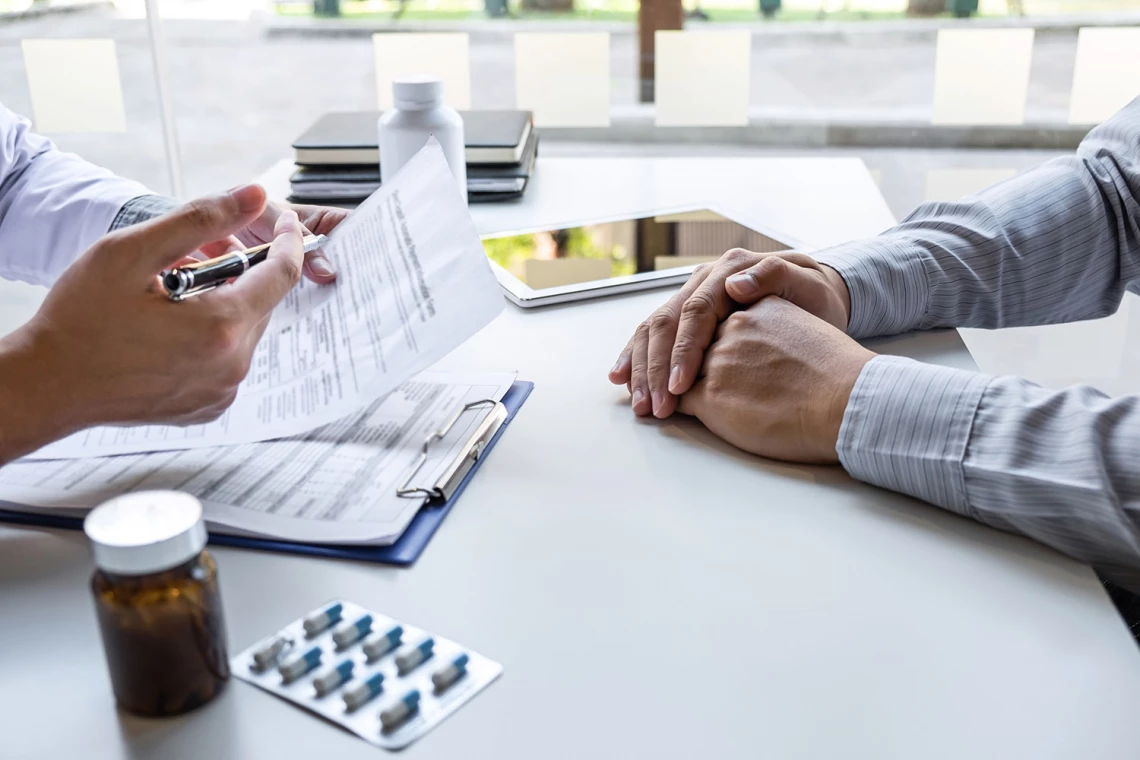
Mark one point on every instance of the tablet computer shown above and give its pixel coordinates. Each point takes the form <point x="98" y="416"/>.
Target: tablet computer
<point x="603" y="257"/>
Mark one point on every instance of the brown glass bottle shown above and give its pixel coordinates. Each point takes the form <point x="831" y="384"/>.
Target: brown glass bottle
<point x="162" y="626"/>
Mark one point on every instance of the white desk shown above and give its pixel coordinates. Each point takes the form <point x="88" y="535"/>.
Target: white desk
<point x="652" y="592"/>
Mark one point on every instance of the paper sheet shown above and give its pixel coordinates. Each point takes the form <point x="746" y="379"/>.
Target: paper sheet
<point x="441" y="54"/>
<point x="564" y="77"/>
<point x="702" y="78"/>
<point x="413" y="284"/>
<point x="336" y="484"/>
<point x="1105" y="76"/>
<point x="74" y="85"/>
<point x="981" y="76"/>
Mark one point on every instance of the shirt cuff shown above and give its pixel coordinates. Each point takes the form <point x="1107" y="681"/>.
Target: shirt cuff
<point x="906" y="428"/>
<point x="142" y="208"/>
<point x="887" y="281"/>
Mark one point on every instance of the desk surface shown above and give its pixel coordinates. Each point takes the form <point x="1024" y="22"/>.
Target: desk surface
<point x="651" y="591"/>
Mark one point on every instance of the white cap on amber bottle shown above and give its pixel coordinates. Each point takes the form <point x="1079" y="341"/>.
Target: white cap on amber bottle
<point x="145" y="532"/>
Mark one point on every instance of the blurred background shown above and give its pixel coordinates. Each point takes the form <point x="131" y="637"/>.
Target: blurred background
<point x="938" y="98"/>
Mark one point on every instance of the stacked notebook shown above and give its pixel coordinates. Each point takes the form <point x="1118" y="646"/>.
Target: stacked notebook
<point x="338" y="157"/>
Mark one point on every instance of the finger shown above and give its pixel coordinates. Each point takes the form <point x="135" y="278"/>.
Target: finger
<point x="318" y="268"/>
<point x="772" y="276"/>
<point x="221" y="247"/>
<point x="640" y="400"/>
<point x="662" y="332"/>
<point x="166" y="239"/>
<point x="692" y="401"/>
<point x="700" y="314"/>
<point x="621" y="372"/>
<point x="263" y="286"/>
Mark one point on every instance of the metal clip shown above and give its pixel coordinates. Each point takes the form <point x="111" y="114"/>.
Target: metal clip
<point x="472" y="450"/>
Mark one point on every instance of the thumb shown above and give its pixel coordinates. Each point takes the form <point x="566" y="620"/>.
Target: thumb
<point x="769" y="277"/>
<point x="167" y="239"/>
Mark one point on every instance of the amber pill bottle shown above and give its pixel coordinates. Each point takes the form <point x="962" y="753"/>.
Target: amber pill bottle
<point x="156" y="597"/>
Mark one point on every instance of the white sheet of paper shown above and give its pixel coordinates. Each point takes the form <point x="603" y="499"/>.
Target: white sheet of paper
<point x="413" y="284"/>
<point x="1106" y="77"/>
<point x="953" y="184"/>
<point x="981" y="76"/>
<point x="564" y="77"/>
<point x="702" y="78"/>
<point x="336" y="484"/>
<point x="74" y="85"/>
<point x="443" y="54"/>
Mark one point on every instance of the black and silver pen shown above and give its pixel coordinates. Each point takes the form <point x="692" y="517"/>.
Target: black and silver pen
<point x="192" y="279"/>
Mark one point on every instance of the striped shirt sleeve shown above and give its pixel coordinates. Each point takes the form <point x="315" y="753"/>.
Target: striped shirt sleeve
<point x="141" y="209"/>
<point x="1056" y="244"/>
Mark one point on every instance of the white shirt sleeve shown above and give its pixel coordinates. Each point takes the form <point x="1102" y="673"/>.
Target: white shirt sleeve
<point x="53" y="205"/>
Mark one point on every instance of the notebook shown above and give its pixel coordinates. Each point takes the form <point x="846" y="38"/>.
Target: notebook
<point x="348" y="183"/>
<point x="338" y="138"/>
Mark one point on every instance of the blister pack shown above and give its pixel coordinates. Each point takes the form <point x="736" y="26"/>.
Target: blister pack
<point x="387" y="682"/>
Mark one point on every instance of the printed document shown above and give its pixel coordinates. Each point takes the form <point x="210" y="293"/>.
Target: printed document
<point x="413" y="284"/>
<point x="335" y="484"/>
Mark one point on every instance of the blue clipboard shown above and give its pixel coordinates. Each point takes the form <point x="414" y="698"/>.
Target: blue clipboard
<point x="402" y="553"/>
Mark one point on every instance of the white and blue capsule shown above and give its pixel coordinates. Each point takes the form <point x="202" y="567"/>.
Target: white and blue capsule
<point x="445" y="677"/>
<point x="348" y="634"/>
<point x="401" y="711"/>
<point x="361" y="692"/>
<point x="410" y="659"/>
<point x="321" y="620"/>
<point x="333" y="677"/>
<point x="379" y="644"/>
<point x="266" y="655"/>
<point x="300" y="664"/>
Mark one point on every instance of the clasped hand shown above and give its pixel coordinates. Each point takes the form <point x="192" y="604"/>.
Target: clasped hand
<point x="753" y="346"/>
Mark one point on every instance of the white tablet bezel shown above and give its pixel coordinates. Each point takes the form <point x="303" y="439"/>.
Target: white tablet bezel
<point x="527" y="297"/>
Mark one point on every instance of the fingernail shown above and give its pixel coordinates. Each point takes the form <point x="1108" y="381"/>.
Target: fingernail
<point x="321" y="266"/>
<point x="638" y="396"/>
<point x="618" y="365"/>
<point x="743" y="284"/>
<point x="674" y="378"/>
<point x="656" y="401"/>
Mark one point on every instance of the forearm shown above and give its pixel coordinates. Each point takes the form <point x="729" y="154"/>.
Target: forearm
<point x="1060" y="243"/>
<point x="53" y="205"/>
<point x="1058" y="467"/>
<point x="34" y="403"/>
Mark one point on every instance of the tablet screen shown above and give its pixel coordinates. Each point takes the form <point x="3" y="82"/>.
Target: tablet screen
<point x="602" y="251"/>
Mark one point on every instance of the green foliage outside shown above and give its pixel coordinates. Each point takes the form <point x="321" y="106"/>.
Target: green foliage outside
<point x="511" y="253"/>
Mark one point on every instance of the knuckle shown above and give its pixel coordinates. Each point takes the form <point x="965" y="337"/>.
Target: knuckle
<point x="201" y="215"/>
<point x="737" y="256"/>
<point x="662" y="321"/>
<point x="700" y="272"/>
<point x="737" y="321"/>
<point x="642" y="331"/>
<point x="222" y="337"/>
<point x="698" y="305"/>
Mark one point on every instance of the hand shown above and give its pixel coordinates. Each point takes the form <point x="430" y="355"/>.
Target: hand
<point x="108" y="346"/>
<point x="662" y="359"/>
<point x="776" y="383"/>
<point x="318" y="220"/>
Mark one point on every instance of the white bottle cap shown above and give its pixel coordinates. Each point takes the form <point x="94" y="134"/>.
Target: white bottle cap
<point x="145" y="532"/>
<point x="417" y="93"/>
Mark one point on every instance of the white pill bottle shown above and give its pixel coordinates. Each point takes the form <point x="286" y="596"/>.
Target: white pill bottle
<point x="418" y="112"/>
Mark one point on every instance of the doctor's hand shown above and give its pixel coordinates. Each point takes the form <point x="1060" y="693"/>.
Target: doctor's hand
<point x="318" y="220"/>
<point x="776" y="382"/>
<point x="662" y="359"/>
<point x="108" y="347"/>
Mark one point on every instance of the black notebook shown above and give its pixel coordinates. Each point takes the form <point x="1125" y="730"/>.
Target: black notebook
<point x="350" y="137"/>
<point x="346" y="183"/>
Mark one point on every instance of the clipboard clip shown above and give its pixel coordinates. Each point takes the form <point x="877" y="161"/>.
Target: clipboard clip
<point x="468" y="455"/>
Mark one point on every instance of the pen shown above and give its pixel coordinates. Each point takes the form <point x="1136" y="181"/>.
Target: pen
<point x="192" y="279"/>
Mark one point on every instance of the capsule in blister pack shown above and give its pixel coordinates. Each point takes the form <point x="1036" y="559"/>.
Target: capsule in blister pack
<point x="386" y="681"/>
